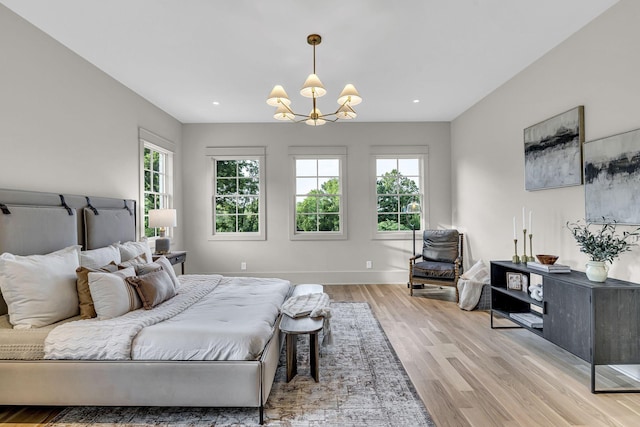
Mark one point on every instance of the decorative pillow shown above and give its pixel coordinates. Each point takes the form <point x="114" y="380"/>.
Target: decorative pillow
<point x="153" y="288"/>
<point x="478" y="273"/>
<point x="112" y="296"/>
<point x="129" y="250"/>
<point x="40" y="289"/>
<point x="134" y="262"/>
<point x="96" y="258"/>
<point x="166" y="265"/>
<point x="142" y="269"/>
<point x="87" y="310"/>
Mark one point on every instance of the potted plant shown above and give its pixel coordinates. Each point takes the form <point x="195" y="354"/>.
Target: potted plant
<point x="602" y="246"/>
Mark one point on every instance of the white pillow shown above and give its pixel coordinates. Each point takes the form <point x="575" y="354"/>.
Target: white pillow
<point x="96" y="258"/>
<point x="112" y="295"/>
<point x="129" y="250"/>
<point x="166" y="266"/>
<point x="478" y="273"/>
<point x="40" y="289"/>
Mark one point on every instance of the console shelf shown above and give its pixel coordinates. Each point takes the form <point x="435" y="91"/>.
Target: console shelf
<point x="597" y="322"/>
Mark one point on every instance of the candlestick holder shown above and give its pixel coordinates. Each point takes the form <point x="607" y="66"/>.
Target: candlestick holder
<point x="523" y="258"/>
<point x="515" y="259"/>
<point x="531" y="258"/>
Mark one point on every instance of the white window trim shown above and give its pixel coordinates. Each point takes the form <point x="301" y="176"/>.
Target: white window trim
<point x="399" y="152"/>
<point x="236" y="153"/>
<point x="162" y="145"/>
<point x="324" y="152"/>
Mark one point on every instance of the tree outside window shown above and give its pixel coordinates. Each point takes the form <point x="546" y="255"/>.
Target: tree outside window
<point x="156" y="188"/>
<point x="318" y="195"/>
<point x="397" y="185"/>
<point x="237" y="196"/>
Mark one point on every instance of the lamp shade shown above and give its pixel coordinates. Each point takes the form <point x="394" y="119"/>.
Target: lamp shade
<point x="278" y="96"/>
<point x="162" y="218"/>
<point x="349" y="96"/>
<point x="283" y="113"/>
<point x="413" y="207"/>
<point x="346" y="113"/>
<point x="313" y="87"/>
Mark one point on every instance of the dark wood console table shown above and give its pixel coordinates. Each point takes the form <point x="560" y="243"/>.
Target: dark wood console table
<point x="597" y="322"/>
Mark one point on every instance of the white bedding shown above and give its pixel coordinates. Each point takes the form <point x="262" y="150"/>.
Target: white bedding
<point x="211" y="318"/>
<point x="233" y="323"/>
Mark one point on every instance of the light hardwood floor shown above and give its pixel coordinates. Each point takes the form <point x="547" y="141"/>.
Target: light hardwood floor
<point x="466" y="373"/>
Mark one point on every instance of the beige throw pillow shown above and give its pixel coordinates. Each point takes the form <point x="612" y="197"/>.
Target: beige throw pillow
<point x="87" y="310"/>
<point x="112" y="295"/>
<point x="153" y="288"/>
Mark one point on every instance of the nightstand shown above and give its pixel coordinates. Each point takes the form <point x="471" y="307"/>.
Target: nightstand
<point x="177" y="257"/>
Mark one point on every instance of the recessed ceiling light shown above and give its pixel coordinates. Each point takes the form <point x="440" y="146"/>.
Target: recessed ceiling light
<point x="215" y="103"/>
<point x="415" y="101"/>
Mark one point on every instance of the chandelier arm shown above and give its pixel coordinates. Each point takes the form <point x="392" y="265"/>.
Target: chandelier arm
<point x="338" y="110"/>
<point x="287" y="107"/>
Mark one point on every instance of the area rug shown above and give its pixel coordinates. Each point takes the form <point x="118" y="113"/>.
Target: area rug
<point x="362" y="383"/>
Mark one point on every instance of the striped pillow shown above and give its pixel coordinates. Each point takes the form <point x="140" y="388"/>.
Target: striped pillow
<point x="112" y="295"/>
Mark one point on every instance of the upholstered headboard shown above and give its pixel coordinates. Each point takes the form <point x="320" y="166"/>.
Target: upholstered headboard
<point x="40" y="223"/>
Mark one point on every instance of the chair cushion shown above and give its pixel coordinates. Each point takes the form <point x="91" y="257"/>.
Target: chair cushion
<point x="440" y="245"/>
<point x="434" y="270"/>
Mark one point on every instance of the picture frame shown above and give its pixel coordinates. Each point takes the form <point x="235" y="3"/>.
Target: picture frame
<point x="612" y="179"/>
<point x="553" y="151"/>
<point x="514" y="281"/>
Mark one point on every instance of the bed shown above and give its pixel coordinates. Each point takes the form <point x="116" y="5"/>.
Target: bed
<point x="42" y="223"/>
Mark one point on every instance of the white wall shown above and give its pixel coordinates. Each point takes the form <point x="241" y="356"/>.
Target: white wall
<point x="340" y="261"/>
<point x="597" y="67"/>
<point x="66" y="126"/>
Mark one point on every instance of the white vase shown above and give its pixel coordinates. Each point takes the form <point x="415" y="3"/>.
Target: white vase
<point x="597" y="271"/>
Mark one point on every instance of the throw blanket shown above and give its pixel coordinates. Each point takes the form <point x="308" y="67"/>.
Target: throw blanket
<point x="111" y="339"/>
<point x="469" y="293"/>
<point x="470" y="285"/>
<point x="312" y="305"/>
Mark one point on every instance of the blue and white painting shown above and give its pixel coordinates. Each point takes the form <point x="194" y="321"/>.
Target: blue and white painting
<point x="612" y="179"/>
<point x="553" y="151"/>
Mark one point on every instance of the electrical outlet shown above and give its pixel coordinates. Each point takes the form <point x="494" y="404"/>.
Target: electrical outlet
<point x="369" y="264"/>
<point x="243" y="265"/>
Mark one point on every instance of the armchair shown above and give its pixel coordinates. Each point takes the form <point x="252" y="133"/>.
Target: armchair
<point x="440" y="262"/>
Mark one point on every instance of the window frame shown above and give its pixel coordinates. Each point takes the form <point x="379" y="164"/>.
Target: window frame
<point x="399" y="152"/>
<point x="236" y="154"/>
<point x="318" y="153"/>
<point x="149" y="140"/>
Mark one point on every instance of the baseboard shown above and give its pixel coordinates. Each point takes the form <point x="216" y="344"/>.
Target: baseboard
<point x="330" y="277"/>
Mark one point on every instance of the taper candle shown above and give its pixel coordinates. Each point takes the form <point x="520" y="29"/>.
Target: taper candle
<point x="530" y="227"/>
<point x="524" y="225"/>
<point x="515" y="236"/>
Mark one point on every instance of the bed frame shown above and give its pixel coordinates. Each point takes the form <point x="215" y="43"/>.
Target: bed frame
<point x="39" y="223"/>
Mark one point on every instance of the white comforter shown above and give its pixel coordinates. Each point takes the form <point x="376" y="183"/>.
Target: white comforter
<point x="211" y="318"/>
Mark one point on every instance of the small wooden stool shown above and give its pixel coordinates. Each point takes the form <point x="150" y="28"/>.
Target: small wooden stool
<point x="299" y="326"/>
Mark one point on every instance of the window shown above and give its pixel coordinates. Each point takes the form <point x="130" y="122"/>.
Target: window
<point x="156" y="182"/>
<point x="238" y="193"/>
<point x="399" y="194"/>
<point x="318" y="195"/>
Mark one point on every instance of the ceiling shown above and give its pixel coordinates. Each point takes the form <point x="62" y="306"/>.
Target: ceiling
<point x="182" y="55"/>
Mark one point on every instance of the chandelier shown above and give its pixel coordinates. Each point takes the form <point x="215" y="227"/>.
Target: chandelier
<point x="314" y="89"/>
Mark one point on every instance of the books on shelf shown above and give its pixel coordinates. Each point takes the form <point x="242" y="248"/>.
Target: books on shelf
<point x="529" y="319"/>
<point x="549" y="268"/>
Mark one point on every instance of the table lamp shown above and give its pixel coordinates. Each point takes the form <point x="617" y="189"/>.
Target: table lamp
<point x="162" y="218"/>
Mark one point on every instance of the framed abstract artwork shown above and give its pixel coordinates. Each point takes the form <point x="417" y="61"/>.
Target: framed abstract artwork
<point x="612" y="179"/>
<point x="553" y="151"/>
